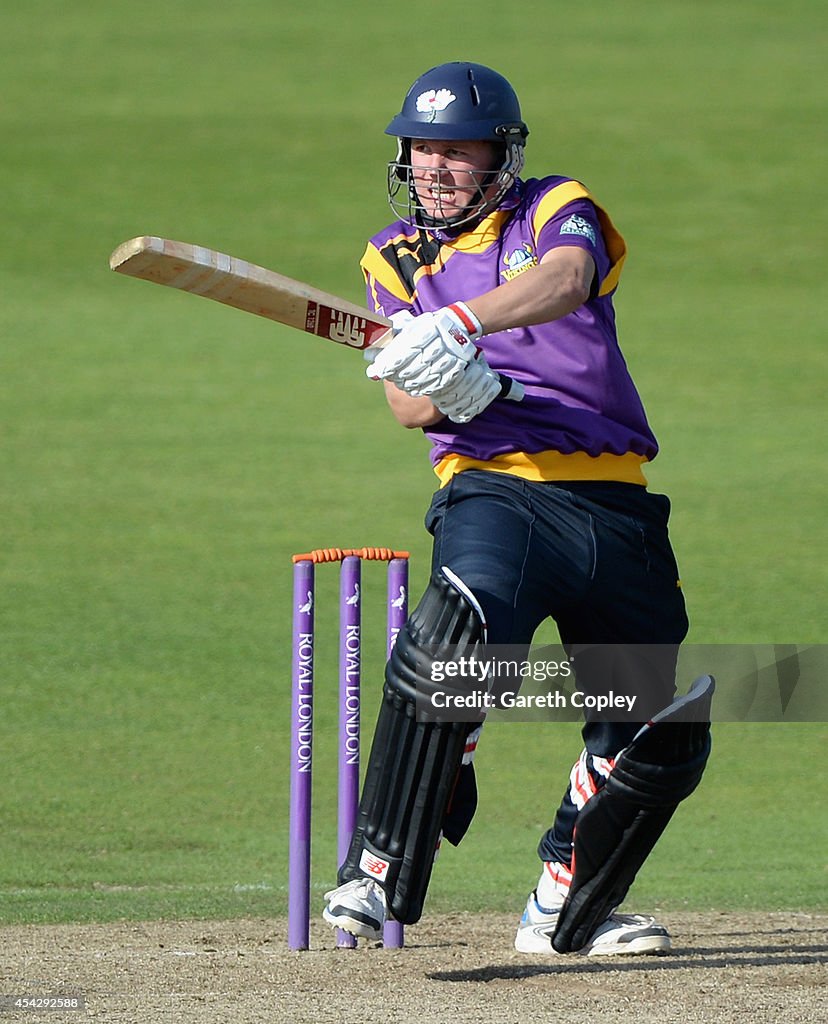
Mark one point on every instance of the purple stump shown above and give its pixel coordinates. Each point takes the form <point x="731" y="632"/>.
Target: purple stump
<point x="393" y="933"/>
<point x="350" y="656"/>
<point x="301" y="753"/>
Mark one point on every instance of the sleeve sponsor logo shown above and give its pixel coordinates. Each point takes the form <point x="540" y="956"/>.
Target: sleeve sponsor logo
<point x="576" y="225"/>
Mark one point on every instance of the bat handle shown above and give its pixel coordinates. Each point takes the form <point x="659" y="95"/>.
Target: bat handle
<point x="511" y="389"/>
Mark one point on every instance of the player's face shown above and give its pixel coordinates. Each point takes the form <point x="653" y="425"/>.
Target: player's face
<point x="449" y="176"/>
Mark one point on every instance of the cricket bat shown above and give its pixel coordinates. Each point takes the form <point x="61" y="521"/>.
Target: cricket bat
<point x="235" y="282"/>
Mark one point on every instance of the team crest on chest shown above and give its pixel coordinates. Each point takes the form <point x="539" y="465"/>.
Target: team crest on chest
<point x="517" y="261"/>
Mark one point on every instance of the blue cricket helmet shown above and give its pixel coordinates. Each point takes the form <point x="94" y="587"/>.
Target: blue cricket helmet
<point x="464" y="102"/>
<point x="460" y="100"/>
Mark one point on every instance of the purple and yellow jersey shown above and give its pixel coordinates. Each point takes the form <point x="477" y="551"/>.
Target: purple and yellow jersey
<point x="582" y="418"/>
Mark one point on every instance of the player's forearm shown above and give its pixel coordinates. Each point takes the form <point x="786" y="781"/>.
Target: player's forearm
<point x="557" y="286"/>
<point x="411" y="412"/>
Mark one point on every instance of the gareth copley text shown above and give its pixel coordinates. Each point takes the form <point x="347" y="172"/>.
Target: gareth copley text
<point x="471" y="686"/>
<point x="481" y="700"/>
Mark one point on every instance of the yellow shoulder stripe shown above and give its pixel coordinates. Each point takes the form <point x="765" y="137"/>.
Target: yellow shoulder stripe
<point x="554" y="199"/>
<point x="566" y="192"/>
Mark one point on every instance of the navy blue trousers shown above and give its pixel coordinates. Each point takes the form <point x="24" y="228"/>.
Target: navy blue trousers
<point x="593" y="556"/>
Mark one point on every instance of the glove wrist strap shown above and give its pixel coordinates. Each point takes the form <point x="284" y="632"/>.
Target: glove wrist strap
<point x="471" y="325"/>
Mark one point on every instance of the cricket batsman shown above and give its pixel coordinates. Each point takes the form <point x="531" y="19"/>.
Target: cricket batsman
<point x="542" y="511"/>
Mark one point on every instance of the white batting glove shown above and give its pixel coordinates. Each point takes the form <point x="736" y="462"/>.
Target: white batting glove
<point x="474" y="391"/>
<point x="431" y="351"/>
<point x="398" y="321"/>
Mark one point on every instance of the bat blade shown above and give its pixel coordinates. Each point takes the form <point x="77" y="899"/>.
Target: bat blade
<point x="234" y="282"/>
<point x="215" y="275"/>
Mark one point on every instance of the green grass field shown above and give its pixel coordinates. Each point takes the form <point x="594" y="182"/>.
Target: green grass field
<point x="161" y="456"/>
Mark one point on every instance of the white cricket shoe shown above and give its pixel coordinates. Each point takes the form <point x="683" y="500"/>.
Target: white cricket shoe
<point x="620" y="934"/>
<point x="357" y="907"/>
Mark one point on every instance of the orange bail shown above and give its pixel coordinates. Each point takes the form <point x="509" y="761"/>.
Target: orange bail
<point x="337" y="554"/>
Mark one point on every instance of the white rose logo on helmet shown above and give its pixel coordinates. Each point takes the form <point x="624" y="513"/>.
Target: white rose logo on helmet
<point x="434" y="100"/>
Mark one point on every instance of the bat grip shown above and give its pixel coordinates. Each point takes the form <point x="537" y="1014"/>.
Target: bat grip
<point x="511" y="389"/>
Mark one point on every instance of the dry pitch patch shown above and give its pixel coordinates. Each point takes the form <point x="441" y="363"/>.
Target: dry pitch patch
<point x="762" y="968"/>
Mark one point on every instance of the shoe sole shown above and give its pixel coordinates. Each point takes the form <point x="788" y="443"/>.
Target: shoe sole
<point x="643" y="945"/>
<point x="352" y="925"/>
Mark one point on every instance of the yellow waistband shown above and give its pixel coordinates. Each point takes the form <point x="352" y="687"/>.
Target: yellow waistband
<point x="551" y="465"/>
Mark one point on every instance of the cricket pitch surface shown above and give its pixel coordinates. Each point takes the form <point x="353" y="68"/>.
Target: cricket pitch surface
<point x="725" y="967"/>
